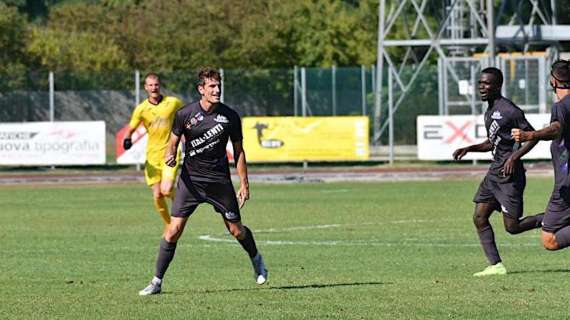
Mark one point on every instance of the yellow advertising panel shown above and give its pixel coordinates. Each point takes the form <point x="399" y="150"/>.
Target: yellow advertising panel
<point x="305" y="138"/>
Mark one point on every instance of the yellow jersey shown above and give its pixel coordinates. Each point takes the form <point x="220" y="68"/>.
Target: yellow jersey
<point x="157" y="120"/>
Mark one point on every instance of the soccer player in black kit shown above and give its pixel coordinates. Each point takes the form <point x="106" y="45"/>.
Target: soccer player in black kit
<point x="503" y="186"/>
<point x="556" y="225"/>
<point x="207" y="125"/>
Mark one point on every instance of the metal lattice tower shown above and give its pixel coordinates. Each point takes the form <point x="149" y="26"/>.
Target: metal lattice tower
<point x="462" y="28"/>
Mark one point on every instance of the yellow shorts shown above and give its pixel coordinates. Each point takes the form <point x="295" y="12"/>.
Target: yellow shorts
<point x="156" y="172"/>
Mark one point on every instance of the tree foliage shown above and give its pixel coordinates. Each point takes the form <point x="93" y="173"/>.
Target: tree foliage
<point x="169" y="35"/>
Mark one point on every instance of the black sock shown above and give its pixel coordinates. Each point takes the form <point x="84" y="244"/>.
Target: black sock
<point x="487" y="239"/>
<point x="248" y="243"/>
<point x="165" y="255"/>
<point x="531" y="222"/>
<point x="563" y="237"/>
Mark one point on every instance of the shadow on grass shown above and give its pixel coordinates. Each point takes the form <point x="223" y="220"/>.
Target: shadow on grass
<point x="301" y="287"/>
<point x="541" y="271"/>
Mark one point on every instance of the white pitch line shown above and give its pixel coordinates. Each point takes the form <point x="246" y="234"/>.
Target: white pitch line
<point x="329" y="226"/>
<point x="403" y="243"/>
<point x="363" y="243"/>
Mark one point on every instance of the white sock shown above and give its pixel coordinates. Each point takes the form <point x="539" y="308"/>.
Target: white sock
<point x="156" y="280"/>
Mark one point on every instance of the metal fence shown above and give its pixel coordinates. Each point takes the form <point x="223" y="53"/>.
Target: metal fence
<point x="450" y="87"/>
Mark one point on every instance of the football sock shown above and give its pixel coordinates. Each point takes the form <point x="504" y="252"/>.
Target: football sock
<point x="165" y="254"/>
<point x="487" y="239"/>
<point x="248" y="243"/>
<point x="162" y="208"/>
<point x="531" y="222"/>
<point x="563" y="237"/>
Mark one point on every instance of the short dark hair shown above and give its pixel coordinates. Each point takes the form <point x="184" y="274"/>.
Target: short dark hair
<point x="208" y="73"/>
<point x="561" y="72"/>
<point x="151" y="75"/>
<point x="496" y="72"/>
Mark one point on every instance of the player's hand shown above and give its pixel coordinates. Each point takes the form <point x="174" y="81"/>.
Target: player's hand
<point x="242" y="195"/>
<point x="509" y="166"/>
<point x="127" y="143"/>
<point x="520" y="135"/>
<point x="459" y="153"/>
<point x="170" y="160"/>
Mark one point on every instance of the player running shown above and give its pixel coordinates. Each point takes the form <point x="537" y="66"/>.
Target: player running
<point x="207" y="125"/>
<point x="503" y="186"/>
<point x="556" y="225"/>
<point x="157" y="114"/>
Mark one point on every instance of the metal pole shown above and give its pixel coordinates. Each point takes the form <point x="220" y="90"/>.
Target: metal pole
<point x="473" y="111"/>
<point x="138" y="99"/>
<point x="303" y="92"/>
<point x="379" y="66"/>
<point x="222" y="85"/>
<point x="491" y="32"/>
<point x="363" y="88"/>
<point x="333" y="70"/>
<point x="525" y="80"/>
<point x="373" y="80"/>
<point x="304" y="105"/>
<point x="390" y="117"/>
<point x="553" y="9"/>
<point x="295" y="88"/>
<point x="440" y="84"/>
<point x="137" y="87"/>
<point x="51" y="97"/>
<point x="542" y="85"/>
<point x="445" y="90"/>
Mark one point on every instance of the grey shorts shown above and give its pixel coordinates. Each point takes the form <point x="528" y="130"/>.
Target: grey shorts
<point x="191" y="193"/>
<point x="557" y="214"/>
<point x="506" y="193"/>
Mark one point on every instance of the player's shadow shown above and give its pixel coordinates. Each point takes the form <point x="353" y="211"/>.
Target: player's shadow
<point x="304" y="286"/>
<point x="541" y="271"/>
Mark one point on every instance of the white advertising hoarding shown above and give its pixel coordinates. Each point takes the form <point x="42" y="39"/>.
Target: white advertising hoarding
<point x="439" y="136"/>
<point x="52" y="143"/>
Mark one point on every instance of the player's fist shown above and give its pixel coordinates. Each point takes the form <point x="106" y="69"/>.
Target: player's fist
<point x="170" y="160"/>
<point x="520" y="135"/>
<point x="127" y="143"/>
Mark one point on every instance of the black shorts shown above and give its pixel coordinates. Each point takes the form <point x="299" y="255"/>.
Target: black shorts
<point x="505" y="192"/>
<point x="191" y="193"/>
<point x="557" y="214"/>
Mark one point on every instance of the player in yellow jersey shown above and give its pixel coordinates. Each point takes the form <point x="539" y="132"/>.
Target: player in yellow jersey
<point x="156" y="114"/>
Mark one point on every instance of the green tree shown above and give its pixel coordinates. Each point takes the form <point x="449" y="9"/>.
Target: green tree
<point x="13" y="38"/>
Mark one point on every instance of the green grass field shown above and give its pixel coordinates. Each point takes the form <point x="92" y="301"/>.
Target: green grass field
<point x="403" y="250"/>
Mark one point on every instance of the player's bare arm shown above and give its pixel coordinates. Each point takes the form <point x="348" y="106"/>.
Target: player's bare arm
<point x="548" y="133"/>
<point x="170" y="154"/>
<point x="241" y="166"/>
<point x="480" y="147"/>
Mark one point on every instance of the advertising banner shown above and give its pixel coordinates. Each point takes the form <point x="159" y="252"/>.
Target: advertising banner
<point x="270" y="139"/>
<point x="137" y="153"/>
<point x="439" y="136"/>
<point x="52" y="143"/>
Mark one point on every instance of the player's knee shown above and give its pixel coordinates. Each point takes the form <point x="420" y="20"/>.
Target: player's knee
<point x="173" y="232"/>
<point x="513" y="228"/>
<point x="238" y="233"/>
<point x="549" y="241"/>
<point x="480" y="220"/>
<point x="166" y="193"/>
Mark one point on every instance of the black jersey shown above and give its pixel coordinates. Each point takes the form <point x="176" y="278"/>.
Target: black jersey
<point x="500" y="118"/>
<point x="206" y="135"/>
<point x="560" y="147"/>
